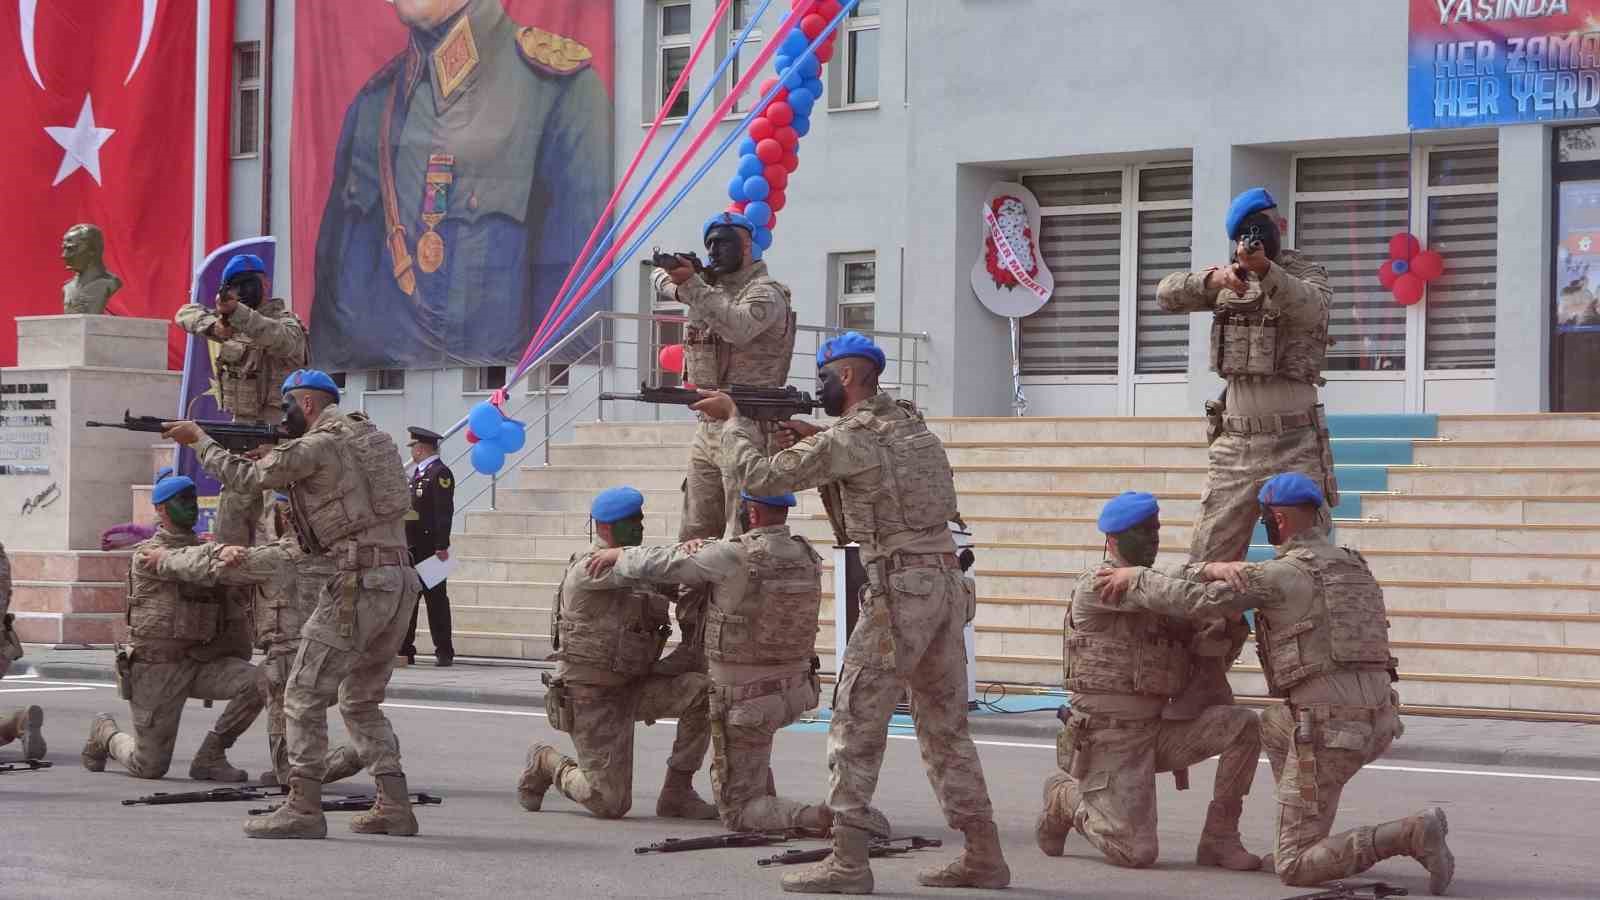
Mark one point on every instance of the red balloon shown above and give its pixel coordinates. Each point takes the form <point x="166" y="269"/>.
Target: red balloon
<point x="812" y="25"/>
<point x="1401" y="246"/>
<point x="825" y="50"/>
<point x="791" y="161"/>
<point x="1386" y="275"/>
<point x="777" y="177"/>
<point x="828" y="8"/>
<point x="782" y="94"/>
<point x="780" y="112"/>
<point x="769" y="151"/>
<point x="787" y="137"/>
<point x="671" y="358"/>
<point x="1408" y="289"/>
<point x="471" y="438"/>
<point x="776" y="199"/>
<point x="772" y="222"/>
<point x="738" y="207"/>
<point x="1428" y="264"/>
<point x="761" y="128"/>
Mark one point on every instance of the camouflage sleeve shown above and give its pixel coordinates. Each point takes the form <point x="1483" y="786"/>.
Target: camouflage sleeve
<point x="739" y="319"/>
<point x="280" y="336"/>
<point x="663" y="285"/>
<point x="1185" y="292"/>
<point x="5" y="581"/>
<point x="1303" y="296"/>
<point x="1184" y="599"/>
<point x="715" y="561"/>
<point x="819" y="459"/>
<point x="193" y="565"/>
<point x="196" y="319"/>
<point x="282" y="466"/>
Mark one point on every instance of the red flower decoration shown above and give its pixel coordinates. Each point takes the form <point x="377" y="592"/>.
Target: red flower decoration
<point x="1409" y="269"/>
<point x="991" y="254"/>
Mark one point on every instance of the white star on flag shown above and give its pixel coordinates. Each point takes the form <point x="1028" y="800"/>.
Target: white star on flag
<point x="82" y="142"/>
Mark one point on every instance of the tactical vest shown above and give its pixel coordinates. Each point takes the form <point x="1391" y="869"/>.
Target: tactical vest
<point x="916" y="489"/>
<point x="283" y="605"/>
<point x="366" y="489"/>
<point x="711" y="360"/>
<point x="625" y="638"/>
<point x="159" y="609"/>
<point x="1346" y="629"/>
<point x="776" y="621"/>
<point x="1142" y="653"/>
<point x="250" y="381"/>
<point x="1249" y="340"/>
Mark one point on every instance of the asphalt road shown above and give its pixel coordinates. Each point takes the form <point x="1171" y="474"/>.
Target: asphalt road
<point x="1516" y="833"/>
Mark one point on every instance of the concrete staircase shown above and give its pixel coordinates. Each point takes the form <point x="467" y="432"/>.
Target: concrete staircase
<point x="1485" y="531"/>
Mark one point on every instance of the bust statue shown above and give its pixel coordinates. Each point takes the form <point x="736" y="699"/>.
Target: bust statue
<point x="91" y="285"/>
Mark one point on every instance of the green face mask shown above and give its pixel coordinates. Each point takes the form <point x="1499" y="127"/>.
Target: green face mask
<point x="628" y="532"/>
<point x="1139" y="546"/>
<point x="184" y="510"/>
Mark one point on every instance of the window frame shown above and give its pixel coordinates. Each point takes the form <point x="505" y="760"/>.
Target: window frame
<point x="665" y="42"/>
<point x="240" y="86"/>
<point x="843" y="57"/>
<point x="840" y="299"/>
<point x="472" y="380"/>
<point x="731" y="29"/>
<point x="377" y="377"/>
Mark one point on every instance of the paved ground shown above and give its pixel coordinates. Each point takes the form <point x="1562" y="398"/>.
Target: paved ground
<point x="1517" y="832"/>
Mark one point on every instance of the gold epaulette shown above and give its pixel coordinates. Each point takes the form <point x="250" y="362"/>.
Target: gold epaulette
<point x="552" y="53"/>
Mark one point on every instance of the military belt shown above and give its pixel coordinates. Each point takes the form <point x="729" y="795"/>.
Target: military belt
<point x="158" y="655"/>
<point x="1322" y="712"/>
<point x="920" y="560"/>
<point x="355" y="557"/>
<point x="777" y="684"/>
<point x="1270" y="424"/>
<point x="1097" y="723"/>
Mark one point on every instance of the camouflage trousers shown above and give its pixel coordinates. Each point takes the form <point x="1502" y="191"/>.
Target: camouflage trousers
<point x="1239" y="465"/>
<point x="601" y="779"/>
<point x="709" y="503"/>
<point x="272" y="678"/>
<point x="1304" y="853"/>
<point x="741" y="760"/>
<point x="1114" y="804"/>
<point x="159" y="692"/>
<point x="351" y="665"/>
<point x="910" y="632"/>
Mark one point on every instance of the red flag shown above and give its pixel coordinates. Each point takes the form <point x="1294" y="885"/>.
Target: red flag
<point x="97" y="103"/>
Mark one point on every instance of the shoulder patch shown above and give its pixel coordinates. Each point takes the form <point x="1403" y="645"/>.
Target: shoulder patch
<point x="551" y="53"/>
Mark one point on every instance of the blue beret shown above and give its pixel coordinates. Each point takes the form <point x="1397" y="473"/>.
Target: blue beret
<point x="784" y="500"/>
<point x="1127" y="510"/>
<point x="170" y="487"/>
<point x="311" y="379"/>
<point x="850" y="344"/>
<point x="163" y="472"/>
<point x="1290" y="489"/>
<point x="1247" y="204"/>
<point x="616" y="504"/>
<point x="244" y="262"/>
<point x="280" y="497"/>
<point x="737" y="220"/>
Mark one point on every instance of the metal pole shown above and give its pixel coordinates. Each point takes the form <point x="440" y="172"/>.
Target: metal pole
<point x="494" y="482"/>
<point x="547" y="420"/>
<point x="1019" y="403"/>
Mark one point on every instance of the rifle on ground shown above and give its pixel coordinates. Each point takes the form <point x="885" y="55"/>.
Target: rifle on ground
<point x="215" y="795"/>
<point x="768" y="406"/>
<point x="1340" y="890"/>
<point x="877" y="848"/>
<point x="24" y="765"/>
<point x="730" y="839"/>
<point x="237" y="437"/>
<point x="353" y="803"/>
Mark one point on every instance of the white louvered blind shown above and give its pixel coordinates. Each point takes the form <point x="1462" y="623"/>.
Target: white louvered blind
<point x="1161" y="339"/>
<point x="1075" y="333"/>
<point x="1462" y="226"/>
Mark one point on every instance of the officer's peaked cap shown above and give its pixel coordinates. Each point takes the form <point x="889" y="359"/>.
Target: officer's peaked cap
<point x="1290" y="489"/>
<point x="616" y="504"/>
<point x="1245" y="205"/>
<point x="1126" y="510"/>
<point x="424" y="435"/>
<point x="311" y="380"/>
<point x="850" y="344"/>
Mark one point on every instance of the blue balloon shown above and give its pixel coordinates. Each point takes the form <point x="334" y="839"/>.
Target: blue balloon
<point x="756" y="188"/>
<point x="487" y="458"/>
<point x="747" y="147"/>
<point x="801" y="101"/>
<point x="736" y="189"/>
<point x="813" y="86"/>
<point x="758" y="212"/>
<point x="751" y="165"/>
<point x="794" y="43"/>
<point x="781" y="63"/>
<point x="513" y="435"/>
<point x="792" y="78"/>
<point x="762" y="237"/>
<point x="484" y="419"/>
<point x="808" y="65"/>
<point x="801" y="126"/>
<point x="755" y="252"/>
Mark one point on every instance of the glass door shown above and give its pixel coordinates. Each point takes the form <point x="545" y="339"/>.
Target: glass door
<point x="1575" y="346"/>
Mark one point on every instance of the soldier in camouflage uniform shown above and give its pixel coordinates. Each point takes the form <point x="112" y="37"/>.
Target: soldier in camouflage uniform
<point x="1122" y="667"/>
<point x="1269" y="340"/>
<point x="608" y="637"/>
<point x="24" y="723"/>
<point x="760" y="640"/>
<point x="1322" y="634"/>
<point x="347" y="491"/>
<point x="177" y="623"/>
<point x="886" y="480"/>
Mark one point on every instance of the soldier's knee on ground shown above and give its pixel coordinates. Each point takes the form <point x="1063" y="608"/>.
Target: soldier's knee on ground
<point x="1141" y="855"/>
<point x="606" y="807"/>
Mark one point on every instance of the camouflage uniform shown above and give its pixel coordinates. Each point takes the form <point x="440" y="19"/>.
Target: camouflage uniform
<point x="1122" y="667"/>
<point x="23" y="723"/>
<point x="347" y="491"/>
<point x="886" y="475"/>
<point x="760" y="640"/>
<point x="268" y="343"/>
<point x="176" y="621"/>
<point x="1322" y="634"/>
<point x="609" y="636"/>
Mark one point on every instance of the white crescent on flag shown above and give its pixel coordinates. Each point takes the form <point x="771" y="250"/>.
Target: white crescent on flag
<point x="28" y="13"/>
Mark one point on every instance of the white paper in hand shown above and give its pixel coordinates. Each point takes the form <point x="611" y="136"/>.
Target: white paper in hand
<point x="434" y="570"/>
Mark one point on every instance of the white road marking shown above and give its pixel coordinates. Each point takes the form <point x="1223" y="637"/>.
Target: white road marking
<point x="83" y="684"/>
<point x="41" y="690"/>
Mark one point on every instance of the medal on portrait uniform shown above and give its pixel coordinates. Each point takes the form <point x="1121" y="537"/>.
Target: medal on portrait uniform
<point x="435" y="205"/>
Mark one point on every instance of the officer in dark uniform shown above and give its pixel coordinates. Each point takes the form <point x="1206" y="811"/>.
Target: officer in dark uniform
<point x="433" y="505"/>
<point x="468" y="173"/>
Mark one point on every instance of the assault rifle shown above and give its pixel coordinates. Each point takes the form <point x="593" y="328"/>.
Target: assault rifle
<point x="1340" y="890"/>
<point x="878" y="847"/>
<point x="24" y="765"/>
<point x="673" y="260"/>
<point x="215" y="795"/>
<point x="765" y="405"/>
<point x="730" y="839"/>
<point x="353" y="803"/>
<point x="237" y="437"/>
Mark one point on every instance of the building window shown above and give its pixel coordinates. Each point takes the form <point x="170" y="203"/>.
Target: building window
<point x="740" y="15"/>
<point x="386" y="380"/>
<point x="1463" y="205"/>
<point x="859" y="61"/>
<point x="246" y="138"/>
<point x="856" y="293"/>
<point x="338" y="379"/>
<point x="672" y="55"/>
<point x="482" y="379"/>
<point x="1166" y="219"/>
<point x="551" y="376"/>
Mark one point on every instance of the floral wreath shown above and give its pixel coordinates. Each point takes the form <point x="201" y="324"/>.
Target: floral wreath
<point x="1006" y="207"/>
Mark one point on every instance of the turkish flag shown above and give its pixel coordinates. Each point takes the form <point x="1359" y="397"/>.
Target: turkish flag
<point x="97" y="105"/>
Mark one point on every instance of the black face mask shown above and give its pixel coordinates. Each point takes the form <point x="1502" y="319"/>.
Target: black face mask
<point x="184" y="510"/>
<point x="830" y="390"/>
<point x="1263" y="229"/>
<point x="1139" y="546"/>
<point x="247" y="288"/>
<point x="1274" y="536"/>
<point x="294" y="420"/>
<point x="725" y="250"/>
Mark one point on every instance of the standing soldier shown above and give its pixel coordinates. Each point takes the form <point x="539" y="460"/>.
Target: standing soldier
<point x="1122" y="667"/>
<point x="761" y="634"/>
<point x="608" y="636"/>
<point x="176" y="621"/>
<point x="887" y="476"/>
<point x="1322" y="631"/>
<point x="433" y="505"/>
<point x="260" y="341"/>
<point x="1269" y="340"/>
<point x="24" y="723"/>
<point x="347" y="491"/>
